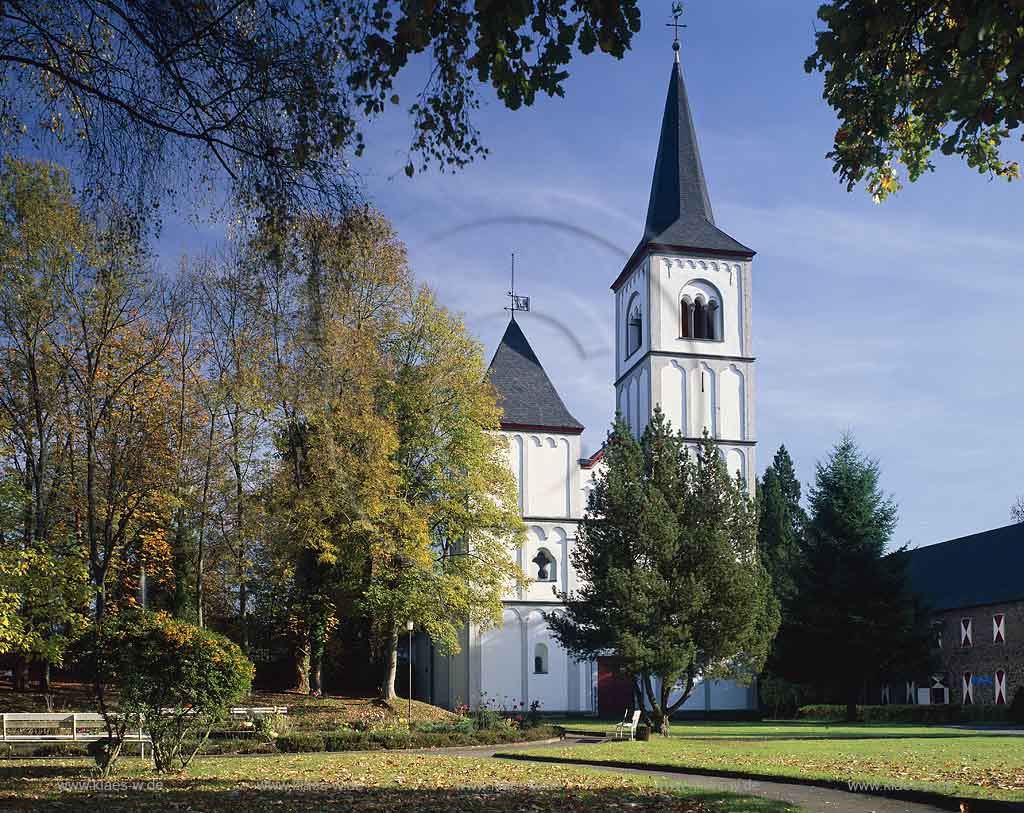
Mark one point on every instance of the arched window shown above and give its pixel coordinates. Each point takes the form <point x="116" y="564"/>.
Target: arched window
<point x="700" y="320"/>
<point x="546" y="567"/>
<point x="685" y="316"/>
<point x="712" y="311"/>
<point x="540" y="659"/>
<point x="634" y="326"/>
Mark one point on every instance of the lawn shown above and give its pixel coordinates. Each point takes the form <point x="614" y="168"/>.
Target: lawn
<point x="952" y="762"/>
<point x="396" y="783"/>
<point x="791" y="729"/>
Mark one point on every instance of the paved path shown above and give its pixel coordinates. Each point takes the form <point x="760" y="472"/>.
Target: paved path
<point x="809" y="798"/>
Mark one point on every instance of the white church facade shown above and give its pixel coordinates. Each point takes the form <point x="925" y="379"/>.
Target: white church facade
<point x="683" y="341"/>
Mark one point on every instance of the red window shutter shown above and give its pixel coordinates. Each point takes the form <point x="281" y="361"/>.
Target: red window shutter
<point x="999" y="628"/>
<point x="966" y="633"/>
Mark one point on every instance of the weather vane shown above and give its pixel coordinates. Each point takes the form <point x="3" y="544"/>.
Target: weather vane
<point x="519" y="303"/>
<point x="677" y="12"/>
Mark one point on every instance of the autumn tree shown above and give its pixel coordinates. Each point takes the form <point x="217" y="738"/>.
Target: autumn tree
<point x="909" y="78"/>
<point x="232" y="299"/>
<point x="42" y="236"/>
<point x="334" y="292"/>
<point x="391" y="498"/>
<point x="118" y="394"/>
<point x="270" y="97"/>
<point x="672" y="582"/>
<point x="448" y="557"/>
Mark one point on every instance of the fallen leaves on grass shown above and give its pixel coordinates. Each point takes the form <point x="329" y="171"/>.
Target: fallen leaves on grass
<point x="369" y="783"/>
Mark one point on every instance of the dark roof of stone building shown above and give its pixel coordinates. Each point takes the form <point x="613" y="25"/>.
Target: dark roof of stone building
<point x="525" y="393"/>
<point x="983" y="568"/>
<point x="679" y="216"/>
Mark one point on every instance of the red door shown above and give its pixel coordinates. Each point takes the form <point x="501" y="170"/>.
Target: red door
<point x="614" y="692"/>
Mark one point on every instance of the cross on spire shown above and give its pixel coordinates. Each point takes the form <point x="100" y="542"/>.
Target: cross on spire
<point x="677" y="12"/>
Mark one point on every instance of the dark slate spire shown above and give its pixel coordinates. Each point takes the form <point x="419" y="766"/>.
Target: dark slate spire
<point x="525" y="393"/>
<point x="678" y="190"/>
<point x="679" y="216"/>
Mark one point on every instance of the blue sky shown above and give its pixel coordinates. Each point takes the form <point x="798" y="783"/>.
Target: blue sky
<point x="898" y="322"/>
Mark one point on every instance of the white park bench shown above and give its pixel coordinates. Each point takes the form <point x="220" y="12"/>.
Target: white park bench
<point x="238" y="712"/>
<point x="73" y="726"/>
<point x="627" y="726"/>
<point x="78" y="726"/>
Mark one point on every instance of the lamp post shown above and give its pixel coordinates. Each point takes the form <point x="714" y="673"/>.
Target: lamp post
<point x="409" y="626"/>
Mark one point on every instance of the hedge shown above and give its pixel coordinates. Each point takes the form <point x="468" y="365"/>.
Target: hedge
<point x="347" y="740"/>
<point x="945" y="714"/>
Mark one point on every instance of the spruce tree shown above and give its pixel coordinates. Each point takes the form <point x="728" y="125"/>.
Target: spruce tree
<point x="672" y="582"/>
<point x="781" y="524"/>
<point x="780" y="534"/>
<point x="854" y="618"/>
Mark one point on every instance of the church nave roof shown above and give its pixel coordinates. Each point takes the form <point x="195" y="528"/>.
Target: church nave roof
<point x="525" y="393"/>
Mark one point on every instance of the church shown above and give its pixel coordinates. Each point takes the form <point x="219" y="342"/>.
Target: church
<point x="683" y="341"/>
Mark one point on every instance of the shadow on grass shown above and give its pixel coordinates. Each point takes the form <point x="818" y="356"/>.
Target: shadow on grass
<point x="797" y="737"/>
<point x="137" y="794"/>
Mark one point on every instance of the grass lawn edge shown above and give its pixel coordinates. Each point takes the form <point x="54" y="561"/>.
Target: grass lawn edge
<point x="945" y="801"/>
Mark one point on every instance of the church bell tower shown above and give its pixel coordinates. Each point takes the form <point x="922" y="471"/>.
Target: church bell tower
<point x="683" y="305"/>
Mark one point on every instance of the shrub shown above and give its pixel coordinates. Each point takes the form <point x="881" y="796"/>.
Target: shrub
<point x="824" y="712"/>
<point x="894" y="713"/>
<point x="486" y="719"/>
<point x="780" y="698"/>
<point x="300" y="742"/>
<point x="464" y="726"/>
<point x="176" y="681"/>
<point x="270" y="726"/>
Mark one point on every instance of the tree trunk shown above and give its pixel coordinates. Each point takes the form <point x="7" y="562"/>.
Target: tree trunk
<point x="316" y="657"/>
<point x="44" y="677"/>
<point x="851" y="707"/>
<point x="316" y="663"/>
<point x="202" y="521"/>
<point x="387" y="691"/>
<point x="302" y="670"/>
<point x="657" y="710"/>
<point x="20" y="670"/>
<point x="243" y="592"/>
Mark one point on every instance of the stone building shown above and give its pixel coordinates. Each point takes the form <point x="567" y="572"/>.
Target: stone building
<point x="975" y="587"/>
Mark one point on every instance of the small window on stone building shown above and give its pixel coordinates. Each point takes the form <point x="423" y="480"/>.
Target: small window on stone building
<point x="999" y="628"/>
<point x="546" y="566"/>
<point x="540" y="659"/>
<point x="1000" y="681"/>
<point x="685" y="318"/>
<point x="966" y="632"/>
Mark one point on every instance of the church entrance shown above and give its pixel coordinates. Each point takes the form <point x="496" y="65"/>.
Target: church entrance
<point x="614" y="692"/>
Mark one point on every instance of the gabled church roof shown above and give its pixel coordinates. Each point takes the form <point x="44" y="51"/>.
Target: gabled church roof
<point x="679" y="216"/>
<point x="525" y="393"/>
